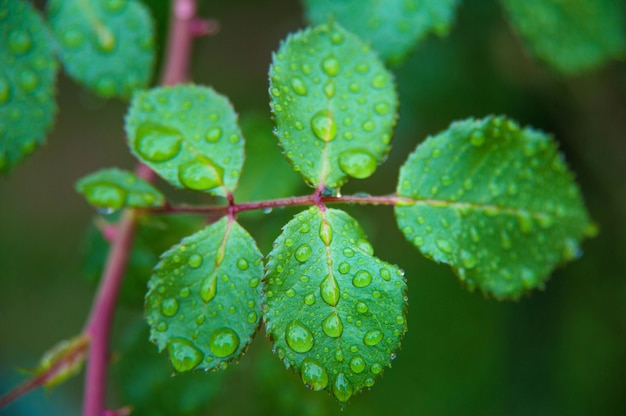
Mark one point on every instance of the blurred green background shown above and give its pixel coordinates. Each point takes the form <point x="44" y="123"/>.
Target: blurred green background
<point x="561" y="351"/>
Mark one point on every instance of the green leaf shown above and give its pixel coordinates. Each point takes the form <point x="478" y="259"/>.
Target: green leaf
<point x="335" y="313"/>
<point x="572" y="36"/>
<point x="114" y="189"/>
<point x="334" y="104"/>
<point x="392" y="27"/>
<point x="155" y="234"/>
<point x="203" y="302"/>
<point x="105" y="45"/>
<point x="27" y="74"/>
<point x="494" y="201"/>
<point x="64" y="361"/>
<point x="188" y="135"/>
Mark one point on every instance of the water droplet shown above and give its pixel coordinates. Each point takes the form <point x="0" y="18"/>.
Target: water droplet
<point x="208" y="288"/>
<point x="379" y="81"/>
<point x="329" y="89"/>
<point x="5" y="90"/>
<point x="326" y="233"/>
<point x="468" y="259"/>
<point x="477" y="139"/>
<point x="362" y="307"/>
<point x="213" y="134"/>
<point x="298" y="337"/>
<point x="528" y="278"/>
<point x="169" y="307"/>
<point x="324" y="126"/>
<point x="329" y="289"/>
<point x="344" y="267"/>
<point x="242" y="264"/>
<point x="357" y="364"/>
<point x="313" y="375"/>
<point x="373" y="338"/>
<point x="525" y="223"/>
<point x="72" y="38"/>
<point x="200" y="319"/>
<point x="223" y="342"/>
<point x="342" y="388"/>
<point x="330" y="65"/>
<point x="365" y="246"/>
<point x="332" y="325"/>
<point x="184" y="292"/>
<point x="115" y="5"/>
<point x="161" y="327"/>
<point x="385" y="274"/>
<point x="336" y="37"/>
<point x="254" y="282"/>
<point x="195" y="260"/>
<point x="545" y="221"/>
<point x="369" y="125"/>
<point x="183" y="354"/>
<point x="299" y="87"/>
<point x="309" y="299"/>
<point x="362" y="278"/>
<point x="376" y="368"/>
<point x="357" y="163"/>
<point x="106" y="195"/>
<point x="157" y="143"/>
<point x="105" y="41"/>
<point x="381" y="107"/>
<point x="348" y="252"/>
<point x="200" y="176"/>
<point x="19" y="41"/>
<point x="354" y="87"/>
<point x="303" y="253"/>
<point x="290" y="293"/>
<point x="251" y="317"/>
<point x="444" y="245"/>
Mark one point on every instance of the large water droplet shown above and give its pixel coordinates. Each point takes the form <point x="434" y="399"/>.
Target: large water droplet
<point x="200" y="176"/>
<point x="195" y="260"/>
<point x="330" y="65"/>
<point x="157" y="143"/>
<point x="313" y="375"/>
<point x="324" y="126"/>
<point x="373" y="337"/>
<point x="329" y="289"/>
<point x="208" y="288"/>
<point x="362" y="278"/>
<point x="357" y="364"/>
<point x="357" y="163"/>
<point x="223" y="342"/>
<point x="298" y="337"/>
<point x="302" y="253"/>
<point x="19" y="41"/>
<point x="106" y="195"/>
<point x="183" y="354"/>
<point x="332" y="325"/>
<point x="169" y="307"/>
<point x="326" y="233"/>
<point x="342" y="388"/>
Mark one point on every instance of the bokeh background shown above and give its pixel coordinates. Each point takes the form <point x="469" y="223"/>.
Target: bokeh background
<point x="560" y="351"/>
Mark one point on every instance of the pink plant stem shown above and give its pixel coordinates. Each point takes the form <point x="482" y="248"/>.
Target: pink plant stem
<point x="99" y="324"/>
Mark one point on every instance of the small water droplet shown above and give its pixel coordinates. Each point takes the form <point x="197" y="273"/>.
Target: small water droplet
<point x="19" y="41"/>
<point x="106" y="196"/>
<point x="223" y="342"/>
<point x="369" y="125"/>
<point x="545" y="221"/>
<point x="251" y="317"/>
<point x="157" y="143"/>
<point x="169" y="307"/>
<point x="195" y="260"/>
<point x="348" y="252"/>
<point x="254" y="282"/>
<point x="184" y="292"/>
<point x="115" y="5"/>
<point x="290" y="293"/>
<point x="298" y="337"/>
<point x="183" y="354"/>
<point x="342" y="388"/>
<point x="362" y="278"/>
<point x="376" y="368"/>
<point x="5" y="90"/>
<point x="72" y="38"/>
<point x="477" y="139"/>
<point x="213" y="134"/>
<point x="326" y="233"/>
<point x="330" y="65"/>
<point x="373" y="338"/>
<point x="379" y="81"/>
<point x="344" y="267"/>
<point x="324" y="126"/>
<point x="106" y="86"/>
<point x="332" y="325"/>
<point x="208" y="288"/>
<point x="242" y="264"/>
<point x="357" y="163"/>
<point x="309" y="299"/>
<point x="199" y="176"/>
<point x="313" y="375"/>
<point x="329" y="289"/>
<point x="357" y="364"/>
<point x="200" y="319"/>
<point x="161" y="326"/>
<point x="302" y="253"/>
<point x="385" y="274"/>
<point x="528" y="278"/>
<point x="362" y="307"/>
<point x="444" y="245"/>
<point x="299" y="87"/>
<point x="468" y="259"/>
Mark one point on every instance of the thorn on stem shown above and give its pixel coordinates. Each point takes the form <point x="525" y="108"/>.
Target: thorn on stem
<point x="203" y="27"/>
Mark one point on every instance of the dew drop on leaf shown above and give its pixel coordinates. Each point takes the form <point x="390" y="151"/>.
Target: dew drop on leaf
<point x="169" y="307"/>
<point x="298" y="337"/>
<point x="324" y="126"/>
<point x="357" y="163"/>
<point x="158" y="143"/>
<point x="342" y="388"/>
<point x="200" y="176"/>
<point x="357" y="364"/>
<point x="183" y="354"/>
<point x="332" y="325"/>
<point x="223" y="342"/>
<point x="329" y="289"/>
<point x="313" y="375"/>
<point x="372" y="338"/>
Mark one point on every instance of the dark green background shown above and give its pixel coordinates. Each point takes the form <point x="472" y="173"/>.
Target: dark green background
<point x="561" y="351"/>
